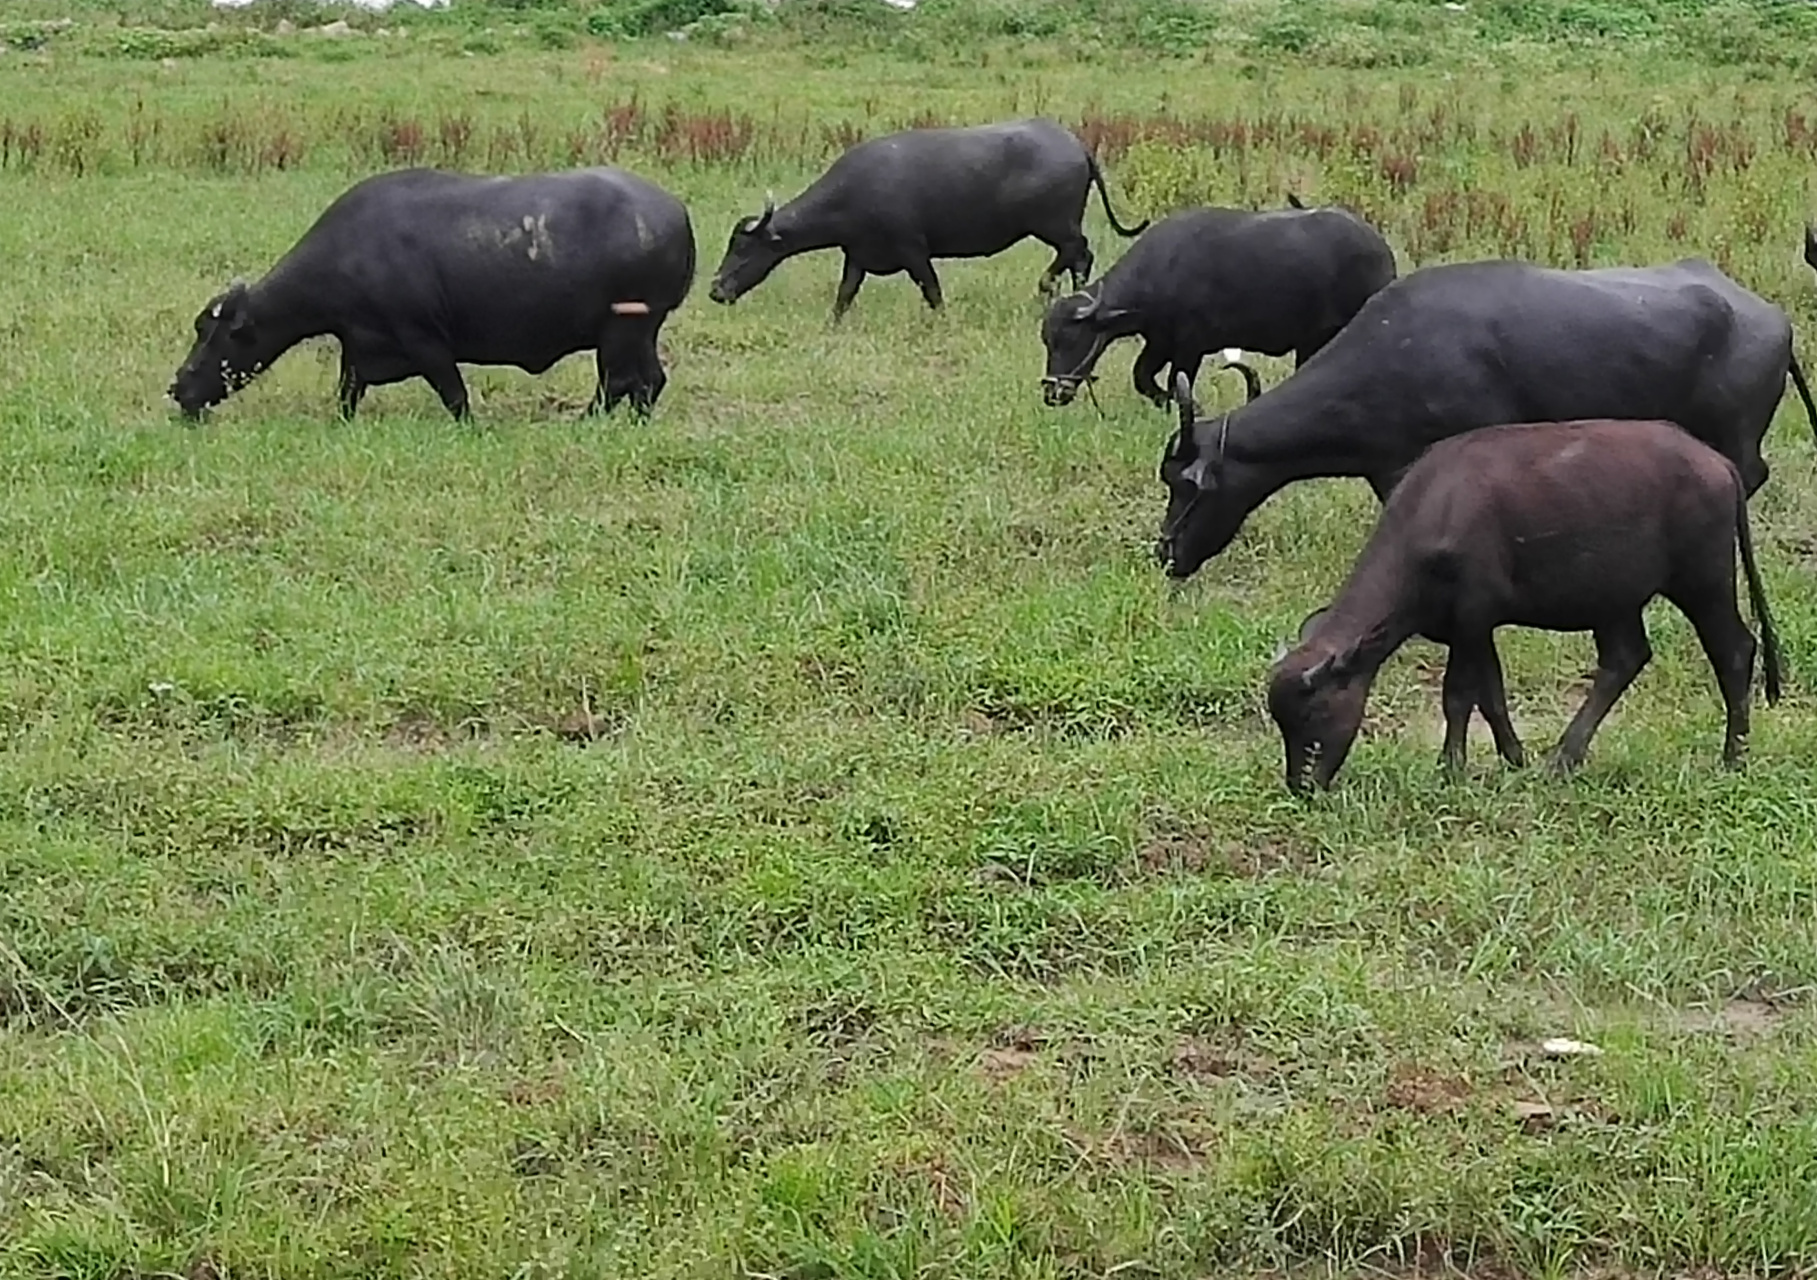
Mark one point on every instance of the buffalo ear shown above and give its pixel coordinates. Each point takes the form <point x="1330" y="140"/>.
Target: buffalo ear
<point x="230" y="309"/>
<point x="1312" y="676"/>
<point x="1333" y="666"/>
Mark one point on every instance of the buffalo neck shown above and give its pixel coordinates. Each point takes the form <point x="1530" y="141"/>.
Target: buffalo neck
<point x="1374" y="612"/>
<point x="286" y="310"/>
<point x="807" y="222"/>
<point x="1120" y="298"/>
<point x="1304" y="428"/>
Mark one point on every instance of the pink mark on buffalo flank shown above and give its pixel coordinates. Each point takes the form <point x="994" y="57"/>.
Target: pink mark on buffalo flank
<point x="630" y="308"/>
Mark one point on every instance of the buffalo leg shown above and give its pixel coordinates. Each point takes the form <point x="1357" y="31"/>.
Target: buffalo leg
<point x="655" y="379"/>
<point x="1072" y="252"/>
<point x="1492" y="697"/>
<point x="352" y="387"/>
<point x="1621" y="651"/>
<point x="1146" y="373"/>
<point x="628" y="368"/>
<point x="921" y="271"/>
<point x="1731" y="648"/>
<point x="451" y="387"/>
<point x="1463" y="667"/>
<point x="850" y="278"/>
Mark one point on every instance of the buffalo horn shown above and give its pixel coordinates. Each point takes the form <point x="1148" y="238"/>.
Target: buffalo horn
<point x="1182" y="398"/>
<point x="769" y="211"/>
<point x="1252" y="383"/>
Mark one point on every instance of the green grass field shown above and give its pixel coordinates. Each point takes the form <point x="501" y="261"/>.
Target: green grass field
<point x="923" y="899"/>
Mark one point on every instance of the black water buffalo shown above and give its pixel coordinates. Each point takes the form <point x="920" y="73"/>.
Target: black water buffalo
<point x="419" y="270"/>
<point x="897" y="202"/>
<point x="1275" y="281"/>
<point x="1472" y="344"/>
<point x="1564" y="526"/>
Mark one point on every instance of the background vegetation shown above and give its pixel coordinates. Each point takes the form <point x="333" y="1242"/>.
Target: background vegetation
<point x="799" y="836"/>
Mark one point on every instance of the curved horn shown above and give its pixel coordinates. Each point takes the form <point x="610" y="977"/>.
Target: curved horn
<point x="1217" y="458"/>
<point x="1182" y="399"/>
<point x="1088" y="308"/>
<point x="1252" y="381"/>
<point x="769" y="211"/>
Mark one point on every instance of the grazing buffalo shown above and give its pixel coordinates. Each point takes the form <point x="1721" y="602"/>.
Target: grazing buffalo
<point x="1472" y="344"/>
<point x="419" y="270"/>
<point x="1276" y="281"/>
<point x="1564" y="526"/>
<point x="897" y="202"/>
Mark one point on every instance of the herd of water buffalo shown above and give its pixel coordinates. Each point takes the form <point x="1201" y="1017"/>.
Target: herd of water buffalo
<point x="1553" y="448"/>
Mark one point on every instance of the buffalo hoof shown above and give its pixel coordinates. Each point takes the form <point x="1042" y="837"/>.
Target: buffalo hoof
<point x="1562" y="764"/>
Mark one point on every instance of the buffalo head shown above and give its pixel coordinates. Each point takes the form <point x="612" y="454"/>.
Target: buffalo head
<point x="227" y="354"/>
<point x="753" y="250"/>
<point x="1316" y="695"/>
<point x="1075" y="332"/>
<point x="1200" y="520"/>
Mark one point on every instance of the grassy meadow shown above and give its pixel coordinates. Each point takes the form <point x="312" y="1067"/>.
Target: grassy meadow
<point x="801" y="835"/>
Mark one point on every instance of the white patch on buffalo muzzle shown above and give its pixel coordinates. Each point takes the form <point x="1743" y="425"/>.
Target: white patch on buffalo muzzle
<point x="630" y="308"/>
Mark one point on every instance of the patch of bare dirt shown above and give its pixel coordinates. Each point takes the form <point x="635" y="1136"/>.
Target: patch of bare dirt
<point x="1191" y="853"/>
<point x="535" y="1093"/>
<point x="976" y="724"/>
<point x="418" y="731"/>
<point x="1001" y="1065"/>
<point x="1741" y="1020"/>
<point x="1014" y="1050"/>
<point x="1174" y="852"/>
<point x="1429" y="1092"/>
<point x="1171" y="1150"/>
<point x="1539" y="1092"/>
<point x="1212" y="1061"/>
<point x="586" y="724"/>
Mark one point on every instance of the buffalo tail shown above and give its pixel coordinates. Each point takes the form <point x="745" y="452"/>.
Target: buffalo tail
<point x="1097" y="177"/>
<point x="1757" y="596"/>
<point x="1804" y="393"/>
